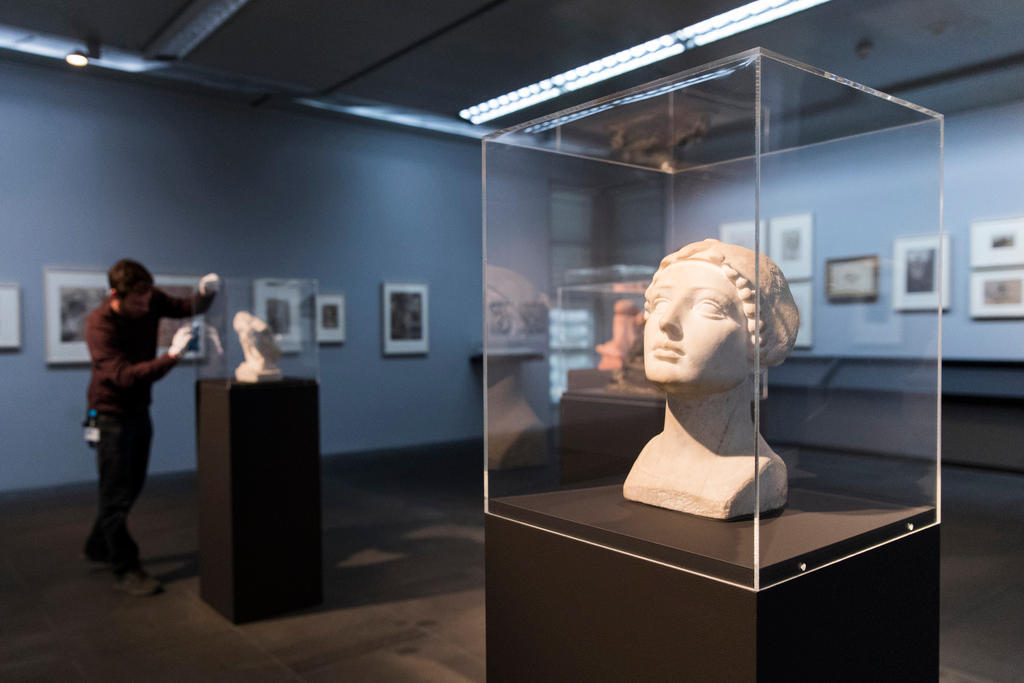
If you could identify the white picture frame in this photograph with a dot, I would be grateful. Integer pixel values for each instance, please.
(10, 316)
(279, 304)
(791, 245)
(920, 272)
(405, 318)
(181, 286)
(330, 318)
(69, 297)
(741, 233)
(803, 296)
(997, 293)
(997, 243)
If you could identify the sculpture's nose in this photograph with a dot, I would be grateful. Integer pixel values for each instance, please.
(671, 325)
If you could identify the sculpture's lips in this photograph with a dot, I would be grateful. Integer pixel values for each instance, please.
(667, 353)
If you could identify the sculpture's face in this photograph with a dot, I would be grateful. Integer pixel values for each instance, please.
(696, 340)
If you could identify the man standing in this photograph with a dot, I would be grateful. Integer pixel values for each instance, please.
(122, 337)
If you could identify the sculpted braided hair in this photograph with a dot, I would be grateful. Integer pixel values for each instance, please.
(780, 317)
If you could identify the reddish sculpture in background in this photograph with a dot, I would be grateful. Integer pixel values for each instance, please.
(626, 326)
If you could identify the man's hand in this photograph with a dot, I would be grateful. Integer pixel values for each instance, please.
(209, 284)
(182, 338)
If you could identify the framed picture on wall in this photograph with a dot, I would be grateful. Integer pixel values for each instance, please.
(405, 318)
(997, 293)
(997, 243)
(330, 318)
(803, 295)
(741, 233)
(279, 304)
(182, 287)
(10, 316)
(920, 273)
(851, 279)
(69, 297)
(791, 245)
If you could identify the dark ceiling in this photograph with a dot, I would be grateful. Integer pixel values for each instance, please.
(442, 56)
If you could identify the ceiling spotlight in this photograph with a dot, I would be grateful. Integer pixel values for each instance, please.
(77, 58)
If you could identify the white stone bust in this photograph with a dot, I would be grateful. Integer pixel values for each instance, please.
(259, 347)
(700, 342)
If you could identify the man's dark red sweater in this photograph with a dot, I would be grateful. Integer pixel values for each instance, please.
(123, 352)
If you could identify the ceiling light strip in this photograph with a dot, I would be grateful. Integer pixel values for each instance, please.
(708, 31)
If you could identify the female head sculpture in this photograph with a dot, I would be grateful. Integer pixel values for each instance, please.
(708, 327)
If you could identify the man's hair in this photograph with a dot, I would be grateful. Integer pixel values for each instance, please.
(129, 277)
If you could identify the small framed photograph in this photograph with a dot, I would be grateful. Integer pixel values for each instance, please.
(181, 287)
(69, 297)
(997, 293)
(851, 279)
(330, 318)
(997, 243)
(920, 273)
(405, 319)
(10, 316)
(278, 303)
(741, 233)
(792, 245)
(803, 296)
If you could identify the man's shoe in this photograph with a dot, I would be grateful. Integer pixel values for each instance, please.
(138, 583)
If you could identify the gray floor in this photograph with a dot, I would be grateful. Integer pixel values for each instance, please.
(403, 558)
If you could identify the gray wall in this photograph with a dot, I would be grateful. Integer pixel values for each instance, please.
(94, 170)
(863, 193)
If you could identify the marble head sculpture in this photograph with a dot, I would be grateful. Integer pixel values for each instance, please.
(259, 347)
(701, 338)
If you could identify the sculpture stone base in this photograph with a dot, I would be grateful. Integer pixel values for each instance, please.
(720, 487)
(249, 375)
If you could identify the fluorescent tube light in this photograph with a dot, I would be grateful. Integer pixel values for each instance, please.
(708, 31)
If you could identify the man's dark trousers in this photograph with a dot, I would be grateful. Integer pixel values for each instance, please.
(122, 457)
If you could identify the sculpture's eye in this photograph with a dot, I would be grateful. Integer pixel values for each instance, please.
(709, 308)
(660, 304)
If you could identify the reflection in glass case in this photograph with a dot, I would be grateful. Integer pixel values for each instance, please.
(666, 409)
(261, 330)
(596, 326)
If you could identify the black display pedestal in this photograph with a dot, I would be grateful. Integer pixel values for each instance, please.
(602, 432)
(259, 497)
(563, 609)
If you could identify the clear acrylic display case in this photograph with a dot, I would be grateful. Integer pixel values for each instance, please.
(839, 184)
(288, 308)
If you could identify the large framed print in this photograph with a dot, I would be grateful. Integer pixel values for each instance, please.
(997, 293)
(791, 245)
(803, 296)
(181, 287)
(69, 297)
(741, 233)
(405, 318)
(10, 316)
(996, 243)
(278, 303)
(920, 273)
(851, 279)
(330, 318)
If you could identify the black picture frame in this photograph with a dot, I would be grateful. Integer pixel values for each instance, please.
(852, 279)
